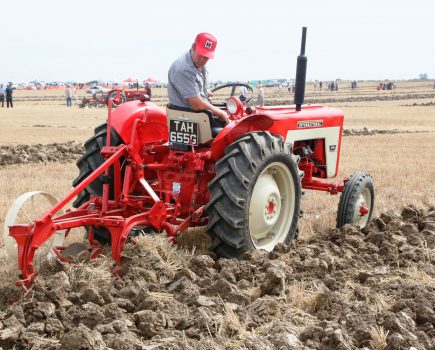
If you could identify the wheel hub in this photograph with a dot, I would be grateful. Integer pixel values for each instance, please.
(362, 208)
(265, 207)
(270, 208)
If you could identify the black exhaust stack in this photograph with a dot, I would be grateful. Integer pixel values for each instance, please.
(301, 73)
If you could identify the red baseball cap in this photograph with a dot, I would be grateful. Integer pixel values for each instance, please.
(205, 45)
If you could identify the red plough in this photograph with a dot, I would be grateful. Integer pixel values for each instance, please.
(151, 169)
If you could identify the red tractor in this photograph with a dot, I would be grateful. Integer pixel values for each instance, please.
(124, 96)
(151, 169)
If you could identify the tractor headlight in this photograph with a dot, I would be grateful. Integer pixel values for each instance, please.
(234, 106)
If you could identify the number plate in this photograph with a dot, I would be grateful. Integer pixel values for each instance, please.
(183, 131)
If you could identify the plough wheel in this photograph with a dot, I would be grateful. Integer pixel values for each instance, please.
(25, 210)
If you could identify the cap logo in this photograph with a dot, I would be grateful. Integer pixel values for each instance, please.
(208, 44)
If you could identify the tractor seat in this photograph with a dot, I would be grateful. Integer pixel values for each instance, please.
(215, 123)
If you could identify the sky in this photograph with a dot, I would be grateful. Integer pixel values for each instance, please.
(83, 40)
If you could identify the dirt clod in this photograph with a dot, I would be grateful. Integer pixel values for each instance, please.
(38, 153)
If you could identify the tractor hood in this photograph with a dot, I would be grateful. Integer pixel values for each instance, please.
(279, 120)
(308, 112)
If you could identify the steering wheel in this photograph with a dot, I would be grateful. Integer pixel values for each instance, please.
(233, 92)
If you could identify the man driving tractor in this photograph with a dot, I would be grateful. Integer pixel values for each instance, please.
(187, 77)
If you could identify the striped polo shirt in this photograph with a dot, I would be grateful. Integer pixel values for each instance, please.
(186, 81)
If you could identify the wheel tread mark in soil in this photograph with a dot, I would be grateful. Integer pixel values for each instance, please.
(353, 188)
(234, 175)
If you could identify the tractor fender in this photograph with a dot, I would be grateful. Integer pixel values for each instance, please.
(255, 122)
(156, 128)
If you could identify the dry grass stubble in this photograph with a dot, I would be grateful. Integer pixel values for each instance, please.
(388, 115)
(47, 123)
(402, 169)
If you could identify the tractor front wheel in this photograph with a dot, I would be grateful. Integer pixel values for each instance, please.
(356, 201)
(255, 196)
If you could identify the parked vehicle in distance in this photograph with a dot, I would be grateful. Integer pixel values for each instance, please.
(96, 88)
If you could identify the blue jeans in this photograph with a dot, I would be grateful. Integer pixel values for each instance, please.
(69, 101)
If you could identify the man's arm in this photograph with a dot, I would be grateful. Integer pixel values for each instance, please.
(188, 89)
(197, 104)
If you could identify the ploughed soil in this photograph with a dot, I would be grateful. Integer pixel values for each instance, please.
(348, 288)
(54, 152)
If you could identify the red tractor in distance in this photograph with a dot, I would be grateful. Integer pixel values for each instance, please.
(125, 95)
(151, 169)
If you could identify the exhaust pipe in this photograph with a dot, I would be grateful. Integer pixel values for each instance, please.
(301, 73)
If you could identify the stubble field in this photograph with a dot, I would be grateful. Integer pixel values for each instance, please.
(307, 303)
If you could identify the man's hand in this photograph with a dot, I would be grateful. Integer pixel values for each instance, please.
(222, 115)
(197, 104)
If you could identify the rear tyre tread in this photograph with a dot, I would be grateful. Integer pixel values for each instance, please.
(233, 181)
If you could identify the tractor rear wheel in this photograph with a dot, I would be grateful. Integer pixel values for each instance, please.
(113, 95)
(255, 196)
(87, 164)
(356, 201)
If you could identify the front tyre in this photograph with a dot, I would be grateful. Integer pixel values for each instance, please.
(357, 201)
(255, 196)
